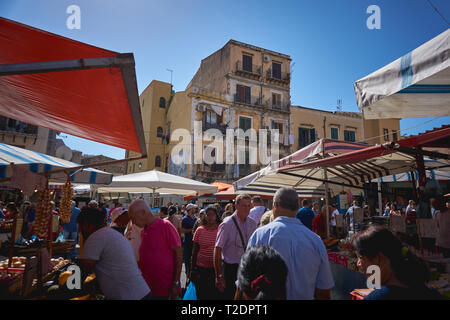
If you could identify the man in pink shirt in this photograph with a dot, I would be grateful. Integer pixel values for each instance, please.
(160, 254)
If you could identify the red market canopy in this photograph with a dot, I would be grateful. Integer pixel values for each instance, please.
(361, 166)
(58, 83)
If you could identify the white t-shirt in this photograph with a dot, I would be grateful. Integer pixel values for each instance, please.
(256, 213)
(116, 270)
(333, 215)
(134, 237)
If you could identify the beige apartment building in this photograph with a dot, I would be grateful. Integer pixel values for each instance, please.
(309, 125)
(240, 86)
(27, 136)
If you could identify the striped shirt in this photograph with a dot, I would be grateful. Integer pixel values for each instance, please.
(206, 240)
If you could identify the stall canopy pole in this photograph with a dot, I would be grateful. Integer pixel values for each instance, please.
(380, 197)
(325, 175)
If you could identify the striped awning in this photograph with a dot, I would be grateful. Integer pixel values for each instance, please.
(38, 163)
(266, 181)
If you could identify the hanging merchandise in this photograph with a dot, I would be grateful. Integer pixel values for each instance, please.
(66, 202)
(43, 213)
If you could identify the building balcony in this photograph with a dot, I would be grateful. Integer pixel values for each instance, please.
(251, 71)
(284, 107)
(278, 77)
(221, 127)
(248, 100)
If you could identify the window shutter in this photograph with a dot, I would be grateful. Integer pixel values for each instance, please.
(247, 95)
(312, 135)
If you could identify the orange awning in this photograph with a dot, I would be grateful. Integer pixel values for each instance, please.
(51, 81)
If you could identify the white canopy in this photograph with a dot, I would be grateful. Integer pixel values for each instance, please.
(415, 85)
(156, 181)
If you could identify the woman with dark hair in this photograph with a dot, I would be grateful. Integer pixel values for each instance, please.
(203, 274)
(403, 274)
(262, 275)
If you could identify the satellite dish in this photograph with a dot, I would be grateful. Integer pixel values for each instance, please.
(64, 152)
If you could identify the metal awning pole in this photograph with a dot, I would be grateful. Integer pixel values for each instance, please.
(380, 197)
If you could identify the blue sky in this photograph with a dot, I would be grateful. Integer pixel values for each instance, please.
(327, 40)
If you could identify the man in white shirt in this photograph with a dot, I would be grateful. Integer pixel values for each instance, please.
(333, 220)
(109, 254)
(258, 209)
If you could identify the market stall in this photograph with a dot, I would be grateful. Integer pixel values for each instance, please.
(64, 85)
(413, 86)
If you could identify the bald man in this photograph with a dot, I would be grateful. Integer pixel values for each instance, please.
(160, 254)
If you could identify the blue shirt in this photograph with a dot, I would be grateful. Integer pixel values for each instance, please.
(188, 223)
(306, 216)
(303, 252)
(350, 213)
(72, 225)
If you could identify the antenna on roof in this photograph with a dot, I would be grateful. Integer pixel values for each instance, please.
(339, 105)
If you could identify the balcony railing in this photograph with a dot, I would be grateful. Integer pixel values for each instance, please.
(219, 126)
(286, 107)
(250, 100)
(278, 76)
(250, 69)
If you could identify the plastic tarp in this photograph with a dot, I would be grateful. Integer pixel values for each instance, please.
(362, 166)
(415, 85)
(156, 181)
(97, 100)
(38, 163)
(267, 181)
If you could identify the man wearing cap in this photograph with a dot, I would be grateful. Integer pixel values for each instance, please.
(120, 221)
(187, 225)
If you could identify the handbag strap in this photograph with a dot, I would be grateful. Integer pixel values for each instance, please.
(240, 233)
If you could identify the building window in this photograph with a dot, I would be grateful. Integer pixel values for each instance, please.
(162, 102)
(140, 165)
(159, 132)
(245, 123)
(277, 125)
(394, 135)
(247, 63)
(276, 100)
(243, 94)
(306, 136)
(276, 70)
(386, 134)
(335, 133)
(349, 136)
(210, 117)
(157, 161)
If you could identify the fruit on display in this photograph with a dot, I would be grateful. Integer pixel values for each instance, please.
(16, 262)
(43, 214)
(66, 202)
(58, 263)
(63, 277)
(6, 226)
